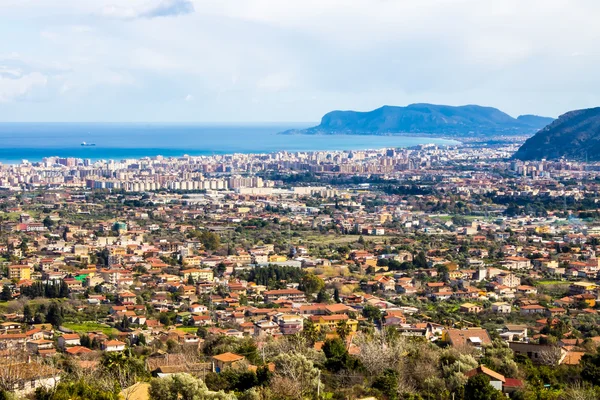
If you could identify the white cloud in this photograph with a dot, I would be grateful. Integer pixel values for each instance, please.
(12, 89)
(163, 8)
(296, 59)
(189, 98)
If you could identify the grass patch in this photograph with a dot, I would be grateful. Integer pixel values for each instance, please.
(188, 329)
(85, 327)
(552, 283)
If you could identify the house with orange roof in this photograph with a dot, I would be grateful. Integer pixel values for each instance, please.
(226, 360)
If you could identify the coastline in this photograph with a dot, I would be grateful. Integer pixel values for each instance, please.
(33, 142)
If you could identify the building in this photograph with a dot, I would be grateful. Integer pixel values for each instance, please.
(289, 324)
(470, 308)
(25, 378)
(331, 321)
(19, 272)
(113, 345)
(476, 337)
(290, 294)
(68, 339)
(496, 380)
(501, 308)
(199, 274)
(539, 353)
(226, 360)
(509, 280)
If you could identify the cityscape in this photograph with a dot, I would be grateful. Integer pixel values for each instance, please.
(299, 200)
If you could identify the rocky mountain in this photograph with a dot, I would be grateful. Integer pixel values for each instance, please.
(574, 135)
(426, 119)
(535, 120)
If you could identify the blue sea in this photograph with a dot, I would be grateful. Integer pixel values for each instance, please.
(34, 141)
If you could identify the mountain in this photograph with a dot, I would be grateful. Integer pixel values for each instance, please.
(574, 135)
(535, 120)
(432, 119)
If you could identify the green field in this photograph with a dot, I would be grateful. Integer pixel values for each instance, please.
(187, 329)
(552, 283)
(85, 327)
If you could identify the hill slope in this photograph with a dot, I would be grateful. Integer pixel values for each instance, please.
(459, 121)
(574, 135)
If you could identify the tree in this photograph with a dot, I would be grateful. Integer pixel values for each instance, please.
(54, 315)
(221, 268)
(48, 222)
(478, 388)
(387, 383)
(310, 332)
(6, 294)
(420, 261)
(336, 295)
(27, 314)
(323, 296)
(590, 367)
(312, 283)
(372, 313)
(337, 356)
(295, 376)
(343, 330)
(183, 387)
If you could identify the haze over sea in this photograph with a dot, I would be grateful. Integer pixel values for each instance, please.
(34, 141)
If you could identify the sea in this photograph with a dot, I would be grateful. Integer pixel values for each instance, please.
(117, 141)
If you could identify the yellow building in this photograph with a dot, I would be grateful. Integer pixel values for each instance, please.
(19, 272)
(192, 260)
(199, 274)
(277, 258)
(330, 322)
(543, 229)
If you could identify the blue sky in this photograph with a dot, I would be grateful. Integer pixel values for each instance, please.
(291, 60)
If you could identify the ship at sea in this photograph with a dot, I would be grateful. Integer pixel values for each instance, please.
(85, 144)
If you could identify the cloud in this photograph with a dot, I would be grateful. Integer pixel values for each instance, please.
(20, 87)
(189, 97)
(169, 8)
(165, 8)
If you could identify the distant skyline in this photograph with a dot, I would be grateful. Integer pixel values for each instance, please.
(235, 61)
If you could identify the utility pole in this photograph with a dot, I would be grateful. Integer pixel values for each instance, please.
(319, 385)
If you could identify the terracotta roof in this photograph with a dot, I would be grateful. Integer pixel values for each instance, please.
(513, 383)
(78, 350)
(482, 369)
(228, 357)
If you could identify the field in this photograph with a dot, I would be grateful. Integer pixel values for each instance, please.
(187, 329)
(85, 327)
(343, 239)
(551, 282)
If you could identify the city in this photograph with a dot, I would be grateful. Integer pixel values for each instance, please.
(215, 265)
(299, 200)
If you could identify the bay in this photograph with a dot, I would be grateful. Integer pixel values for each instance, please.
(34, 141)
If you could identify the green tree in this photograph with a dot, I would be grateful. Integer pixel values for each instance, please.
(54, 315)
(6, 294)
(387, 383)
(27, 314)
(183, 387)
(478, 388)
(343, 330)
(312, 283)
(310, 332)
(372, 313)
(323, 296)
(337, 356)
(590, 367)
(420, 260)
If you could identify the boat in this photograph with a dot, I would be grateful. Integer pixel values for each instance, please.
(85, 144)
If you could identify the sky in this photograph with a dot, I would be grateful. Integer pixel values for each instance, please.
(291, 60)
